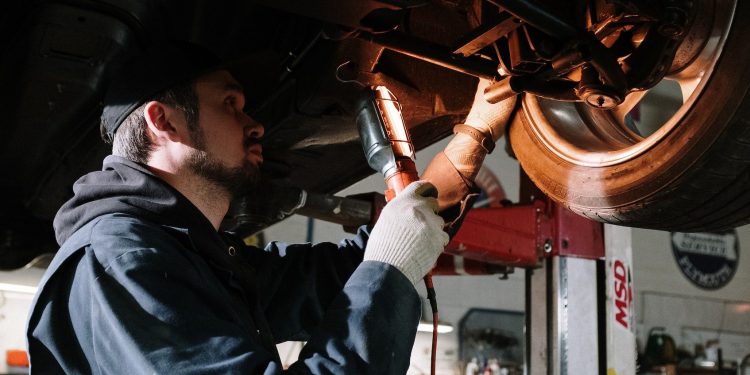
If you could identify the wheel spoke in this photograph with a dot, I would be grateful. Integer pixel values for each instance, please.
(687, 86)
(628, 104)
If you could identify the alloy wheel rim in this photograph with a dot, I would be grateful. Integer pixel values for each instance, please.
(589, 137)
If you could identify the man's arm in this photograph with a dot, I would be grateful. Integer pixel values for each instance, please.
(369, 328)
(298, 282)
(453, 170)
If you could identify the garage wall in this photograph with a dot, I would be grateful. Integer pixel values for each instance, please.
(692, 316)
(14, 308)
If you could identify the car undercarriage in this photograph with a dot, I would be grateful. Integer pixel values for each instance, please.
(580, 67)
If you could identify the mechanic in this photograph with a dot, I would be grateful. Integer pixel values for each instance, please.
(145, 282)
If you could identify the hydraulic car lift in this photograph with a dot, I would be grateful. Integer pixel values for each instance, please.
(579, 313)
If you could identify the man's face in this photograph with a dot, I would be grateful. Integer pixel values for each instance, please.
(227, 149)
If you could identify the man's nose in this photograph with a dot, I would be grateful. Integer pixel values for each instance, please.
(253, 129)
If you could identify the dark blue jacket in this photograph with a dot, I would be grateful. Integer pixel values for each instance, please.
(143, 284)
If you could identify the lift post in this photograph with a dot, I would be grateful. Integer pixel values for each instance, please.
(579, 314)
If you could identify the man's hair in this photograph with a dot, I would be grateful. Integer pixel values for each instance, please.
(131, 140)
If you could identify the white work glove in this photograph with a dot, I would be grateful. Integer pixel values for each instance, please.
(487, 117)
(409, 234)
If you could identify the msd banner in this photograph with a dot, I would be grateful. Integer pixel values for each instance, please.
(623, 294)
(620, 312)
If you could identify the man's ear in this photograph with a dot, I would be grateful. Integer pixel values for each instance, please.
(163, 121)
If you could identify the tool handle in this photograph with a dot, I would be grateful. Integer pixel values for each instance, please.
(406, 174)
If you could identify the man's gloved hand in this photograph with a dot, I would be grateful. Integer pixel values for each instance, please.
(487, 117)
(474, 139)
(409, 234)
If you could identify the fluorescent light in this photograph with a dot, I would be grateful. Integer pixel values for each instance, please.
(22, 289)
(427, 327)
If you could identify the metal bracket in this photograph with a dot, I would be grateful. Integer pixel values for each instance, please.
(521, 235)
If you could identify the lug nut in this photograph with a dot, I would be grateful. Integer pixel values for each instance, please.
(601, 101)
(600, 97)
(674, 23)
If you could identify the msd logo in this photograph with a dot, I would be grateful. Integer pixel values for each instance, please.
(623, 293)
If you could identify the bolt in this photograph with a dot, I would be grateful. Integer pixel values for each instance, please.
(673, 25)
(564, 244)
(600, 96)
(671, 30)
(600, 100)
(548, 246)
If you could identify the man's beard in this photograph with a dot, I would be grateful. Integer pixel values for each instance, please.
(235, 180)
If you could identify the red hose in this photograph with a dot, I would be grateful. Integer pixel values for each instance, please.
(432, 297)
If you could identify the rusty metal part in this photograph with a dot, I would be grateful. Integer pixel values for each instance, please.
(499, 91)
(570, 59)
(609, 29)
(269, 205)
(433, 53)
(652, 60)
(596, 94)
(263, 207)
(560, 90)
(606, 66)
(339, 210)
(486, 34)
(523, 59)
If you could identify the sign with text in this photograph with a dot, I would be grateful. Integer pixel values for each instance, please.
(708, 260)
(620, 309)
(623, 294)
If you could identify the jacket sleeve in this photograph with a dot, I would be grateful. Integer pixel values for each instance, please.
(153, 313)
(357, 317)
(369, 328)
(298, 282)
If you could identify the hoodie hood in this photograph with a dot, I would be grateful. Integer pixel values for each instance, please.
(123, 186)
